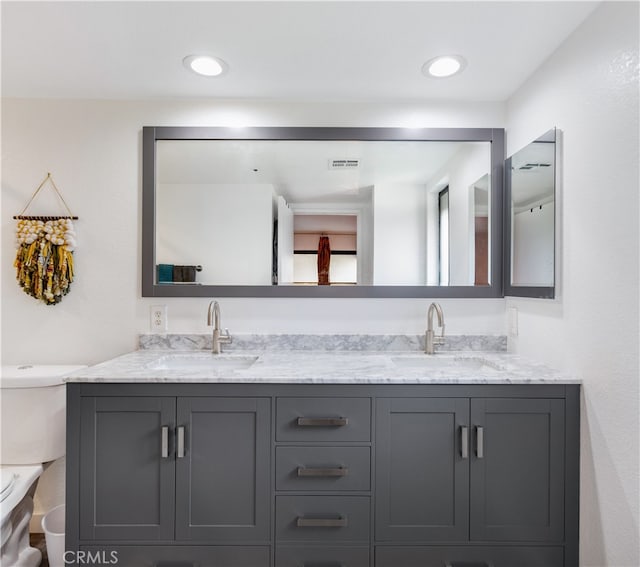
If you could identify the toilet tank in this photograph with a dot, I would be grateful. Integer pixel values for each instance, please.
(33, 413)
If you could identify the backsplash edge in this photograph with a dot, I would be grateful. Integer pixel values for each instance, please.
(309, 342)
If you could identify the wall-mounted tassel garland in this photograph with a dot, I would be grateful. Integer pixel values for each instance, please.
(44, 260)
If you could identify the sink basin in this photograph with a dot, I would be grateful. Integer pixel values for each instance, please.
(444, 363)
(203, 361)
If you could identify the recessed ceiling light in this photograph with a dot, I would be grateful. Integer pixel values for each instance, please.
(205, 65)
(444, 66)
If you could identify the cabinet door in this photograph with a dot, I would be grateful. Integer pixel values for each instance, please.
(322, 556)
(126, 487)
(175, 556)
(422, 469)
(470, 556)
(517, 470)
(223, 477)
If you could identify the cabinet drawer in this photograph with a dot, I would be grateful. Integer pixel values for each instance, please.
(470, 556)
(323, 419)
(172, 556)
(322, 518)
(323, 468)
(322, 556)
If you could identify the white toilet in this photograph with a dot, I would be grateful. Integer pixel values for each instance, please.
(33, 414)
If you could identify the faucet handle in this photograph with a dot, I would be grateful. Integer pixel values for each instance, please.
(227, 336)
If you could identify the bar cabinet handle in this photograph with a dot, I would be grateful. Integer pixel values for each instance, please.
(464, 441)
(180, 448)
(332, 472)
(322, 421)
(480, 442)
(164, 444)
(340, 522)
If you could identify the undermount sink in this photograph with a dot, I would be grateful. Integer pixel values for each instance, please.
(203, 361)
(435, 362)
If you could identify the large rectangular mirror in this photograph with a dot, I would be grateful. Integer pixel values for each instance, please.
(530, 224)
(322, 212)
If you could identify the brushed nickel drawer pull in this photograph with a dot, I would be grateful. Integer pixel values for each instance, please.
(180, 450)
(464, 441)
(480, 442)
(331, 472)
(340, 522)
(164, 445)
(322, 421)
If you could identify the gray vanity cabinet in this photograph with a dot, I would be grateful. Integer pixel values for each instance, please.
(517, 470)
(222, 481)
(175, 469)
(126, 489)
(323, 480)
(324, 475)
(470, 471)
(422, 474)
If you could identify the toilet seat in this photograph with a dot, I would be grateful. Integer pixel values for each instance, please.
(7, 481)
(16, 481)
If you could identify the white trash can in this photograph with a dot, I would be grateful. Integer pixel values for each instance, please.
(53, 526)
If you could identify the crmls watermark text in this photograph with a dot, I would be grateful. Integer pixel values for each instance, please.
(90, 558)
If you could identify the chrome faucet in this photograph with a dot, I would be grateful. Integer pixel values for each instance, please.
(431, 339)
(213, 319)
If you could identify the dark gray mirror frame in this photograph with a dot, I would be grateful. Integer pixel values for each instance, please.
(539, 292)
(151, 134)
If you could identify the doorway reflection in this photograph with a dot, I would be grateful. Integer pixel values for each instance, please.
(310, 232)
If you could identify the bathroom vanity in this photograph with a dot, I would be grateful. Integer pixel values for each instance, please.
(323, 459)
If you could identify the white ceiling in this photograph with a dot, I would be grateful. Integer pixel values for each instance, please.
(299, 170)
(278, 50)
(533, 175)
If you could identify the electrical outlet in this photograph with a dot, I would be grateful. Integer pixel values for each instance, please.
(159, 318)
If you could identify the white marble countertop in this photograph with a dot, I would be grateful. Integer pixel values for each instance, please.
(317, 367)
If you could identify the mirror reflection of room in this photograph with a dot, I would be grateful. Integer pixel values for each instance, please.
(254, 212)
(533, 213)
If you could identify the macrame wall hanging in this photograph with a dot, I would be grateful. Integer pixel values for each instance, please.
(44, 260)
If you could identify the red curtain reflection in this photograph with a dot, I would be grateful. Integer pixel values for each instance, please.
(324, 258)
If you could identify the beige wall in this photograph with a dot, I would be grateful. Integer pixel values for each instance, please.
(93, 149)
(589, 90)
